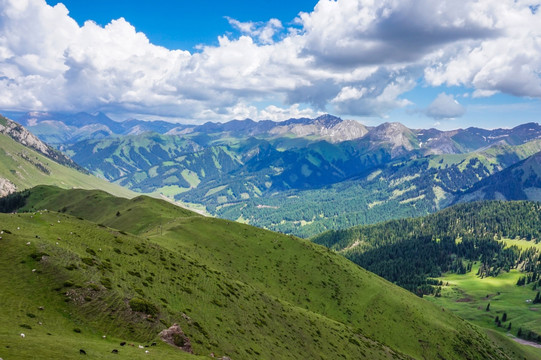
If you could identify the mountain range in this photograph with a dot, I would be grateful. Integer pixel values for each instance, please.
(300, 176)
(26, 161)
(127, 268)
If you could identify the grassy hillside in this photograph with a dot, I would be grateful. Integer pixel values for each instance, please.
(234, 290)
(26, 168)
(467, 256)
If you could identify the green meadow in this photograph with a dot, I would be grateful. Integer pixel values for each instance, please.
(468, 296)
(93, 265)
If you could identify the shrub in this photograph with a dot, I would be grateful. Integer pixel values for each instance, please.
(88, 261)
(106, 282)
(71, 267)
(38, 255)
(144, 306)
(178, 340)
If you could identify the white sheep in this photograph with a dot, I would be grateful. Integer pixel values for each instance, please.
(141, 347)
(23, 335)
(28, 243)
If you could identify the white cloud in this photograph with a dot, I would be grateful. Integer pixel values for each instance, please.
(445, 107)
(509, 63)
(349, 93)
(480, 93)
(352, 57)
(263, 32)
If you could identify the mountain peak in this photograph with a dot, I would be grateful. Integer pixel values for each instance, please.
(327, 120)
(398, 136)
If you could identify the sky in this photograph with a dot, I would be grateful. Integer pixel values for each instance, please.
(425, 63)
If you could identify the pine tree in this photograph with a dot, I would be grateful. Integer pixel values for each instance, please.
(504, 317)
(509, 327)
(537, 298)
(496, 319)
(488, 307)
(519, 332)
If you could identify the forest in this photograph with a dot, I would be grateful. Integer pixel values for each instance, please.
(410, 252)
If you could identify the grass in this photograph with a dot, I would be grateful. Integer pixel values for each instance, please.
(521, 244)
(235, 290)
(25, 174)
(468, 295)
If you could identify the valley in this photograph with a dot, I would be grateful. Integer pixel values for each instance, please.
(298, 176)
(258, 181)
(240, 180)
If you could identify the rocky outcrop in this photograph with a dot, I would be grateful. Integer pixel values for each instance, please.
(18, 133)
(395, 135)
(327, 127)
(6, 187)
(176, 337)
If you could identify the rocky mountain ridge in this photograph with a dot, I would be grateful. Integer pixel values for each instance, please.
(58, 129)
(18, 133)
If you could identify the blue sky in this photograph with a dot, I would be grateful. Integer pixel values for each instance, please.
(459, 64)
(183, 24)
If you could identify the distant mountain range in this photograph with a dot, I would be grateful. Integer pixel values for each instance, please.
(299, 176)
(26, 161)
(61, 128)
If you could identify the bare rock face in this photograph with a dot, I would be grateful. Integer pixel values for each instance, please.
(18, 133)
(6, 187)
(326, 127)
(395, 135)
(176, 337)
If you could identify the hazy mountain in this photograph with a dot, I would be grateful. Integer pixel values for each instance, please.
(296, 176)
(240, 171)
(61, 128)
(25, 161)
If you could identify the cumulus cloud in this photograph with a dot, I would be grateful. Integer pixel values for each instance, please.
(360, 32)
(264, 32)
(349, 57)
(445, 107)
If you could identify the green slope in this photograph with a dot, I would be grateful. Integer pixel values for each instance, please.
(234, 289)
(467, 256)
(26, 168)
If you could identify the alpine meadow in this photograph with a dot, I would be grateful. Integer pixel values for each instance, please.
(317, 179)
